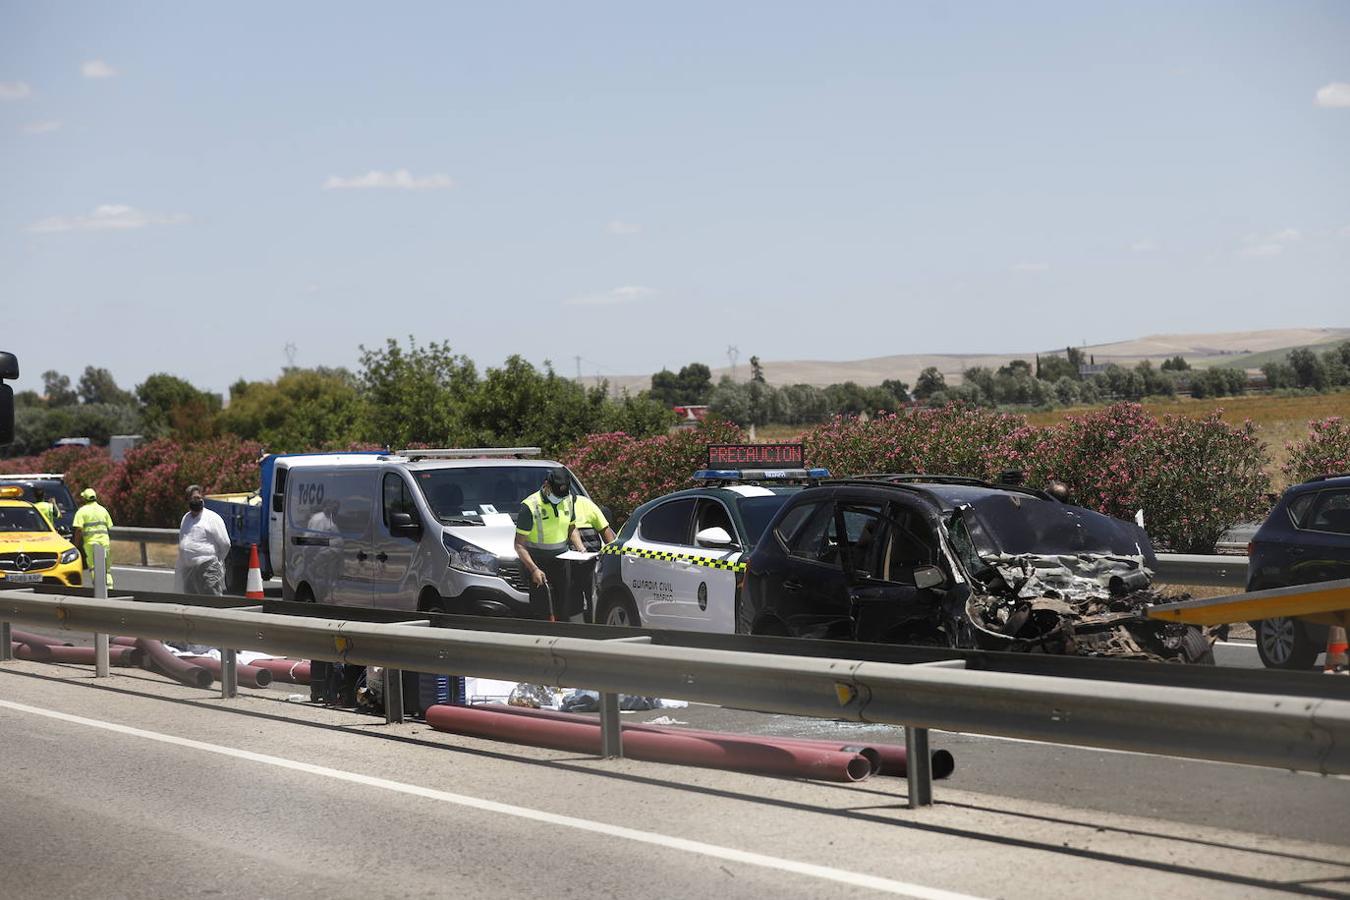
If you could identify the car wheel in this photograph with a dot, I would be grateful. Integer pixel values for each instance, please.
(1282, 643)
(431, 601)
(304, 594)
(619, 610)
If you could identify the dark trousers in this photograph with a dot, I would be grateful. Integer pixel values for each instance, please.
(566, 600)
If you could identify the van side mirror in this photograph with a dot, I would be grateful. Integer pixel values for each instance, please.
(9, 366)
(404, 525)
(926, 577)
(715, 538)
(6, 414)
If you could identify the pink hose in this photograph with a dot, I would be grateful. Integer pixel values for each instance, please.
(718, 753)
(289, 671)
(57, 653)
(249, 676)
(177, 669)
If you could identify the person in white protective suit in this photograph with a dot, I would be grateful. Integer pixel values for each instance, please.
(203, 544)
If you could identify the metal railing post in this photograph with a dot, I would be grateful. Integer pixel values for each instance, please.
(229, 674)
(393, 696)
(611, 721)
(145, 555)
(6, 654)
(101, 667)
(918, 767)
(611, 727)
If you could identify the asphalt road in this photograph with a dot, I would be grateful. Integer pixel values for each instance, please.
(137, 787)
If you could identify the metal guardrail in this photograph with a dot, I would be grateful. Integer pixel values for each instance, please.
(1212, 571)
(144, 536)
(1279, 731)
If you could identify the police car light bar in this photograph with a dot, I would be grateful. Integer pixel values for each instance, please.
(760, 474)
(470, 452)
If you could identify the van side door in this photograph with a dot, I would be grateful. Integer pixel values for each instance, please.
(394, 581)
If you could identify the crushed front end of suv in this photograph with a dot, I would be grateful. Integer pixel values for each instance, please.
(955, 561)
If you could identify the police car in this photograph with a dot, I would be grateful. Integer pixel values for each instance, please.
(679, 562)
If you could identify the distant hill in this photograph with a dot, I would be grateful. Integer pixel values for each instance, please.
(1235, 348)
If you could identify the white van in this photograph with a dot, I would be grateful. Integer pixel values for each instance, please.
(424, 530)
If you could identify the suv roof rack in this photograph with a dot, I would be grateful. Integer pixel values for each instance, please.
(470, 452)
(903, 477)
(50, 476)
(1317, 478)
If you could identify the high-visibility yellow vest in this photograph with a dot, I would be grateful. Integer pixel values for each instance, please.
(94, 523)
(551, 523)
(48, 510)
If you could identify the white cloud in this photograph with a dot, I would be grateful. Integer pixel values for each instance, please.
(109, 217)
(1270, 244)
(1031, 267)
(40, 127)
(14, 90)
(1334, 96)
(97, 68)
(1145, 246)
(621, 228)
(400, 179)
(628, 293)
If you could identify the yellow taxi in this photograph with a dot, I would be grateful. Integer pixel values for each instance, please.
(31, 550)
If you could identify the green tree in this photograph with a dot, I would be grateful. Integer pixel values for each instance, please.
(1176, 364)
(897, 389)
(731, 401)
(930, 380)
(415, 395)
(1054, 367)
(1308, 369)
(99, 386)
(56, 388)
(695, 382)
(756, 370)
(169, 403)
(1279, 375)
(304, 409)
(666, 388)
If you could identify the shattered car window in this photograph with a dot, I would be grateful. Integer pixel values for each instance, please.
(1020, 524)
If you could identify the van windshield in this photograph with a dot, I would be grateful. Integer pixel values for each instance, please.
(464, 495)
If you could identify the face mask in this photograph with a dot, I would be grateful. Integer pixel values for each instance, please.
(555, 499)
(195, 505)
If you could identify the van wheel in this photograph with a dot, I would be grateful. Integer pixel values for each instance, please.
(304, 593)
(619, 610)
(431, 601)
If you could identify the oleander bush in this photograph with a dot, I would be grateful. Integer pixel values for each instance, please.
(1325, 451)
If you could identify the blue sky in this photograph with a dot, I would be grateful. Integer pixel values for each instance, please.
(188, 188)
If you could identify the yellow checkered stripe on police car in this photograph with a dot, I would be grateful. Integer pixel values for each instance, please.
(667, 556)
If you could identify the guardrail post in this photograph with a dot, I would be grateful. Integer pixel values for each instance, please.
(393, 696)
(918, 767)
(229, 674)
(611, 727)
(101, 667)
(145, 555)
(6, 654)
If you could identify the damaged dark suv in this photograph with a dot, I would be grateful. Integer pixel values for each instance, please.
(958, 562)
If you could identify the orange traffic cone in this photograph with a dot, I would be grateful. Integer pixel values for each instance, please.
(253, 588)
(1338, 654)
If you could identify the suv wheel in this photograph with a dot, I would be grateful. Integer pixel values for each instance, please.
(1282, 643)
(619, 610)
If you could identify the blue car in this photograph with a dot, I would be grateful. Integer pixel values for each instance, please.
(1305, 539)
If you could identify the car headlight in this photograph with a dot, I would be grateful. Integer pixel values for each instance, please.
(468, 557)
(70, 555)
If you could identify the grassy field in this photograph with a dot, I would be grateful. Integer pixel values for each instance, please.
(1279, 420)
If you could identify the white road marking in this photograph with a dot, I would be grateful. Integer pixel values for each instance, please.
(842, 876)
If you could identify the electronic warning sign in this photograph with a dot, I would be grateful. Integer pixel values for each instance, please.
(740, 456)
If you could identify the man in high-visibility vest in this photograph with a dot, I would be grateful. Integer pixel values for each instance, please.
(544, 526)
(592, 533)
(45, 506)
(92, 525)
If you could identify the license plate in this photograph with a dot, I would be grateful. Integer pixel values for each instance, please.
(23, 577)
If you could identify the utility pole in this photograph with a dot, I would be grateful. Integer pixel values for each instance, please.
(578, 359)
(733, 354)
(290, 350)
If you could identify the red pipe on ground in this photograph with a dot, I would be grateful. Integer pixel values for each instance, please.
(720, 753)
(177, 669)
(249, 676)
(27, 637)
(289, 671)
(57, 653)
(886, 759)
